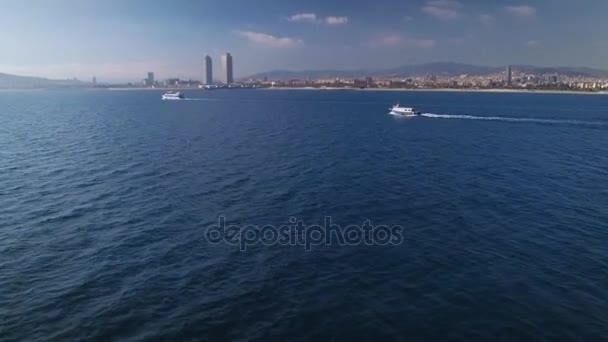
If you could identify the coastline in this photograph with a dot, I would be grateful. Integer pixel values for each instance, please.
(518, 91)
(144, 88)
(447, 90)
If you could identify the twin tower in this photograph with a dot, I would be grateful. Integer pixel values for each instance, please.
(226, 75)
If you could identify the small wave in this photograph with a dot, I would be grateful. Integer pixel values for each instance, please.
(512, 119)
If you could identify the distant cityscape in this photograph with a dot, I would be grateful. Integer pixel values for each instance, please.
(508, 78)
(425, 76)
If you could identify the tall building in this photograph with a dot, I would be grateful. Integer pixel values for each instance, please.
(208, 71)
(227, 75)
(150, 79)
(553, 79)
(508, 75)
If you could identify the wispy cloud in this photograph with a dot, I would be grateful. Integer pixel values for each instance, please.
(389, 40)
(443, 9)
(420, 43)
(336, 20)
(408, 18)
(521, 11)
(395, 40)
(487, 19)
(269, 40)
(312, 18)
(532, 43)
(303, 18)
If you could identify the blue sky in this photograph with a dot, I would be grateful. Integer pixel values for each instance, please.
(123, 39)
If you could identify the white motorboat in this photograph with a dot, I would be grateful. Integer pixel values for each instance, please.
(173, 95)
(403, 111)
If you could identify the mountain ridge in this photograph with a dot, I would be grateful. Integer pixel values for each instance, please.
(10, 81)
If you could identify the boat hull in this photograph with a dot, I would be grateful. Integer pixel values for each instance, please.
(411, 115)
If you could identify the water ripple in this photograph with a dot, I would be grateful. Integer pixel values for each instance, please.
(105, 197)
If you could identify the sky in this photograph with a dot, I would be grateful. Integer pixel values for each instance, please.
(121, 40)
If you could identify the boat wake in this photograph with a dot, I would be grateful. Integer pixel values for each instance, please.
(512, 119)
(198, 99)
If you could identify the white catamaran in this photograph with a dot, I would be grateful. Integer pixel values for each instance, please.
(403, 111)
(173, 95)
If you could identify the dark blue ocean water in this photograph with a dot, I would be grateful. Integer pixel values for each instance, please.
(105, 197)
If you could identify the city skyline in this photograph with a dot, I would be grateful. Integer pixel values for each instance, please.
(429, 76)
(40, 37)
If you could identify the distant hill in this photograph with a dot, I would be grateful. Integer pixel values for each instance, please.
(440, 68)
(8, 81)
(448, 69)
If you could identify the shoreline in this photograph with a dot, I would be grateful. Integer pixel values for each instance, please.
(448, 90)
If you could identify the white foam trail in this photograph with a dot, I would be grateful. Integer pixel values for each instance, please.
(197, 99)
(511, 119)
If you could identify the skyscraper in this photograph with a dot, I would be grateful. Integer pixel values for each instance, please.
(150, 80)
(227, 76)
(208, 71)
(508, 75)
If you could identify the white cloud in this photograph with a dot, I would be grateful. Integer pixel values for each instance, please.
(521, 11)
(312, 18)
(487, 19)
(303, 18)
(394, 40)
(269, 40)
(336, 20)
(443, 9)
(532, 43)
